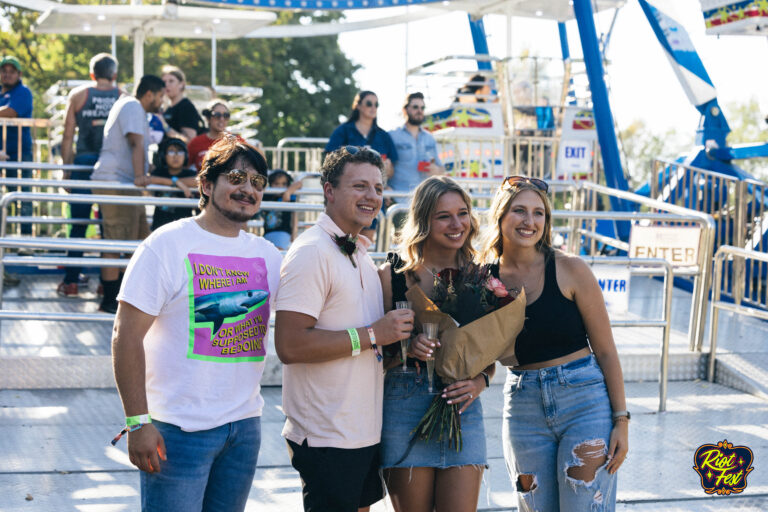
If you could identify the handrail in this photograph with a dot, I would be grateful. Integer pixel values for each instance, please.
(706, 248)
(124, 200)
(716, 305)
(665, 269)
(637, 267)
(301, 140)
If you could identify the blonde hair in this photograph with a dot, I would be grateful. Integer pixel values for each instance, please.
(175, 71)
(418, 224)
(494, 240)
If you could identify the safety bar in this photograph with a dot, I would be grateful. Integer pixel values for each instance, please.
(723, 252)
(645, 266)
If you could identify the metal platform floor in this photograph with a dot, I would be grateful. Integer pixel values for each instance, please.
(56, 454)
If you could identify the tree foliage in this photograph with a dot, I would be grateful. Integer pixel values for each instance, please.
(747, 124)
(641, 146)
(307, 82)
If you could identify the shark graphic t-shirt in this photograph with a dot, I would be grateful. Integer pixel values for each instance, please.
(212, 296)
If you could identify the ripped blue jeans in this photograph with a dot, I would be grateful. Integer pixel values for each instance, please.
(556, 432)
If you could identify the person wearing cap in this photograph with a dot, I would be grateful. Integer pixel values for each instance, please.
(190, 341)
(16, 102)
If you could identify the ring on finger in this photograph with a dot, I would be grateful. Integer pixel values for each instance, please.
(470, 395)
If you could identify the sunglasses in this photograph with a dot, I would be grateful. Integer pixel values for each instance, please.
(513, 181)
(369, 103)
(219, 115)
(175, 153)
(417, 107)
(238, 177)
(353, 150)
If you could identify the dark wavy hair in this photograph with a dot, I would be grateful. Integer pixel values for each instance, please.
(222, 157)
(333, 165)
(355, 115)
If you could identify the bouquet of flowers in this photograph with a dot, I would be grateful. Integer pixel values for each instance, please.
(479, 320)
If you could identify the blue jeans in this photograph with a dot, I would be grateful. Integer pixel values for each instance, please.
(79, 211)
(556, 429)
(209, 470)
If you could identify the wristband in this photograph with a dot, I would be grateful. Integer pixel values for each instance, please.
(355, 339)
(141, 419)
(132, 424)
(487, 379)
(174, 179)
(372, 336)
(621, 414)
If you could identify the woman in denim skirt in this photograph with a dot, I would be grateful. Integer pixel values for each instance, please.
(430, 476)
(565, 423)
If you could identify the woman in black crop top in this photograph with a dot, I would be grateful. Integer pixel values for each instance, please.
(565, 418)
(426, 476)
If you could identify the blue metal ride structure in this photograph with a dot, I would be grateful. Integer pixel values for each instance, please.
(712, 151)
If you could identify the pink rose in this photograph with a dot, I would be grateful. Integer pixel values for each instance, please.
(497, 287)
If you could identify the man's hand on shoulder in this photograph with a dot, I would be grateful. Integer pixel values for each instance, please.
(394, 326)
(145, 448)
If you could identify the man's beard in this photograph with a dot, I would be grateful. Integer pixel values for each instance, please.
(415, 122)
(234, 216)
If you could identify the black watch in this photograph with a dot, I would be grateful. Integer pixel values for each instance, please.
(622, 414)
(487, 379)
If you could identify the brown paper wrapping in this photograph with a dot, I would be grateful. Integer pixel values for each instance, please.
(466, 351)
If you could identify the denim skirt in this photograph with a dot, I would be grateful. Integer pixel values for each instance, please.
(406, 400)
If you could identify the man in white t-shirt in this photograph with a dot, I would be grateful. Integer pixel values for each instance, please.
(330, 319)
(190, 339)
(123, 158)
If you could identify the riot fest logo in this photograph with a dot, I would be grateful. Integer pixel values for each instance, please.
(723, 468)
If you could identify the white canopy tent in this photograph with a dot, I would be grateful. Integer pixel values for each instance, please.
(141, 21)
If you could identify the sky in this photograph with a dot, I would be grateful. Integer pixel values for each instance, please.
(642, 83)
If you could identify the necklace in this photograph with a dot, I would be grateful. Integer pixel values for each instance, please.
(449, 273)
(528, 287)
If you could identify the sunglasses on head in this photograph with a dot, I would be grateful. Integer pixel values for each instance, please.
(369, 103)
(219, 115)
(238, 177)
(513, 181)
(353, 150)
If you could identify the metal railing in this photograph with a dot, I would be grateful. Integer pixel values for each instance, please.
(649, 267)
(308, 156)
(574, 224)
(38, 142)
(729, 252)
(739, 207)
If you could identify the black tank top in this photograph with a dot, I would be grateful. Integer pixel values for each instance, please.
(92, 118)
(553, 325)
(399, 287)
